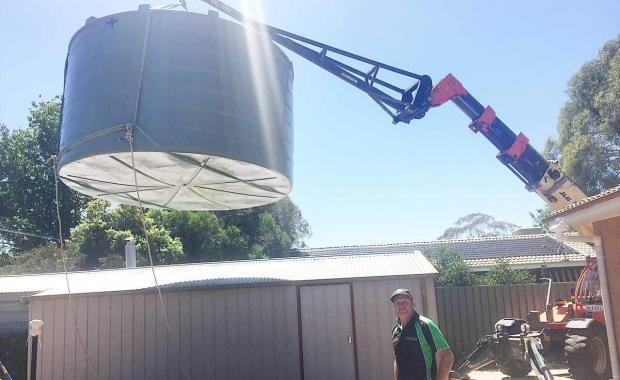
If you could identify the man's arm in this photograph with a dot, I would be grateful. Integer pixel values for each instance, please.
(444, 359)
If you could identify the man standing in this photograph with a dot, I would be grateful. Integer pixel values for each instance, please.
(420, 350)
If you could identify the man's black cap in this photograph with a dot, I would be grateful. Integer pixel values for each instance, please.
(401, 292)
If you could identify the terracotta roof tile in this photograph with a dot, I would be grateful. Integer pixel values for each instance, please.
(519, 249)
(585, 201)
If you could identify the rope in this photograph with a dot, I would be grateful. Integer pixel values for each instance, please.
(10, 231)
(66, 270)
(129, 137)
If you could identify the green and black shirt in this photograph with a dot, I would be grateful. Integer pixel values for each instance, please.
(415, 345)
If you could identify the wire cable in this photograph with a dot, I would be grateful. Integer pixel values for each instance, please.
(65, 258)
(11, 231)
(129, 138)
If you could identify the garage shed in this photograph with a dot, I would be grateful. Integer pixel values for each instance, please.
(293, 318)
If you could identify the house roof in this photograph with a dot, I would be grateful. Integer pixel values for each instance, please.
(478, 252)
(232, 273)
(586, 202)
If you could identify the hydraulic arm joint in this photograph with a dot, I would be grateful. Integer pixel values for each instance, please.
(514, 151)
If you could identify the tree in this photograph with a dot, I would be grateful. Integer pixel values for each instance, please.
(260, 232)
(502, 274)
(101, 237)
(453, 271)
(588, 143)
(27, 191)
(477, 225)
(43, 259)
(285, 228)
(185, 236)
(27, 204)
(538, 218)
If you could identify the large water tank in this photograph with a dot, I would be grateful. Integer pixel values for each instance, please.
(207, 102)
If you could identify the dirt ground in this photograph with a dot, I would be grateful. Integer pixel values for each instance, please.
(494, 374)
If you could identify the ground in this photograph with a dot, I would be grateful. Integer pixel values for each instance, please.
(495, 374)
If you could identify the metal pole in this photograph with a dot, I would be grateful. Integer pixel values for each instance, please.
(35, 329)
(34, 344)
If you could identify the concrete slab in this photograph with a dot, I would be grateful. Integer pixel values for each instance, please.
(494, 374)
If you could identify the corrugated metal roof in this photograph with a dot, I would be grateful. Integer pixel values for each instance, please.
(517, 248)
(233, 273)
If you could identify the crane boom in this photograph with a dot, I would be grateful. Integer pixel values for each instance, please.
(541, 176)
(404, 104)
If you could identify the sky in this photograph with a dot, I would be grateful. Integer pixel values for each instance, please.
(358, 179)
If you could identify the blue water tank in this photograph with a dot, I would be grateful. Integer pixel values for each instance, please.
(207, 104)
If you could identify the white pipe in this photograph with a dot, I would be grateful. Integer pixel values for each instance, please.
(548, 291)
(130, 254)
(602, 274)
(609, 324)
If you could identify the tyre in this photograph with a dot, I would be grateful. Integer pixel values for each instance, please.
(587, 353)
(514, 367)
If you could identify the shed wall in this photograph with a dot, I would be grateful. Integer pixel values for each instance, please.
(214, 334)
(374, 319)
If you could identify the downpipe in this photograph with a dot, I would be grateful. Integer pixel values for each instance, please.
(609, 323)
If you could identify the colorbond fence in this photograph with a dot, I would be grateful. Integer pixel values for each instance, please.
(468, 312)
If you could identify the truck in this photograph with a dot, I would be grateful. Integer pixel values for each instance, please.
(572, 330)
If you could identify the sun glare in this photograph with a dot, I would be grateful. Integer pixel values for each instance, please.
(265, 84)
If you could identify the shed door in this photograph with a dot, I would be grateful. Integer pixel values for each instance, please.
(327, 332)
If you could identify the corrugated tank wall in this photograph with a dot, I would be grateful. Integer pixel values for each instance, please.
(214, 334)
(375, 317)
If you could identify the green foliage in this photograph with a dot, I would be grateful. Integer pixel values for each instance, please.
(43, 259)
(185, 236)
(260, 232)
(588, 143)
(101, 235)
(203, 236)
(95, 232)
(477, 225)
(27, 193)
(501, 274)
(539, 216)
(275, 227)
(174, 237)
(453, 271)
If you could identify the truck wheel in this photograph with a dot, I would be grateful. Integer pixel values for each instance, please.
(587, 354)
(514, 367)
